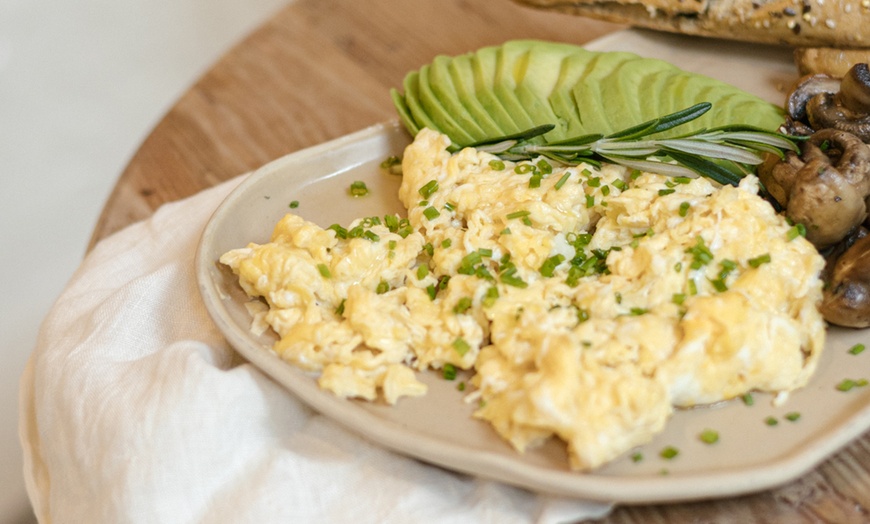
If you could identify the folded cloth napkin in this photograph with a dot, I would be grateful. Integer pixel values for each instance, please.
(135, 409)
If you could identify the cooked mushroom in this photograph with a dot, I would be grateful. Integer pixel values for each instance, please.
(846, 300)
(807, 88)
(826, 188)
(848, 109)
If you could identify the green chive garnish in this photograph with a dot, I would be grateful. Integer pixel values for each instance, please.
(358, 189)
(428, 188)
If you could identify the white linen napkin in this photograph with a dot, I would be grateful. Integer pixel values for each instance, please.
(135, 409)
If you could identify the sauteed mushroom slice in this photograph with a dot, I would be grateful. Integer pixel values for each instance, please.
(807, 88)
(826, 188)
(846, 300)
(848, 109)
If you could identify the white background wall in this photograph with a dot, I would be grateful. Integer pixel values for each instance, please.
(82, 82)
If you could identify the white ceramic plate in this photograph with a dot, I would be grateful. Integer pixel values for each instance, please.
(438, 427)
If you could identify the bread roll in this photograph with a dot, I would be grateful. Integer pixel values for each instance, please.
(804, 23)
(831, 61)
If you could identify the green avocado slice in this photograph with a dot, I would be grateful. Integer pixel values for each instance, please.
(561, 99)
(441, 85)
(539, 74)
(589, 94)
(443, 119)
(492, 116)
(404, 112)
(623, 95)
(509, 58)
(483, 64)
(412, 100)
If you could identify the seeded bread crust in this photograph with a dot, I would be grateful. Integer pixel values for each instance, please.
(801, 23)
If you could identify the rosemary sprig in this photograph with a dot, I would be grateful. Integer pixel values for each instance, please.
(724, 154)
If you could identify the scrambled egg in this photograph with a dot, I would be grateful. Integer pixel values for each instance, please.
(588, 303)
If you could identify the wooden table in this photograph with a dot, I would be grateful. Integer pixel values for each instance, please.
(320, 69)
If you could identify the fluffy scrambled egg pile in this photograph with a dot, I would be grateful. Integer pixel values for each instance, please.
(588, 302)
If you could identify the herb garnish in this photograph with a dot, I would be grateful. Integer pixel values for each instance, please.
(723, 154)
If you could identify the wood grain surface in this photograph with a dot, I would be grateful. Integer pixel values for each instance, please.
(320, 69)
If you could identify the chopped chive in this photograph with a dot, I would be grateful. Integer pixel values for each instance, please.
(856, 349)
(422, 272)
(636, 456)
(709, 436)
(428, 189)
(748, 399)
(340, 232)
(518, 214)
(523, 169)
(849, 384)
(460, 386)
(324, 270)
(431, 213)
(719, 285)
(684, 209)
(462, 306)
(792, 416)
(446, 243)
(449, 371)
(496, 165)
(449, 206)
(294, 204)
(798, 230)
(431, 291)
(428, 249)
(605, 190)
(490, 297)
(382, 288)
(358, 189)
(545, 167)
(637, 311)
(665, 192)
(759, 260)
(678, 298)
(371, 235)
(669, 452)
(549, 266)
(594, 182)
(461, 346)
(590, 201)
(619, 184)
(562, 180)
(527, 221)
(771, 421)
(535, 180)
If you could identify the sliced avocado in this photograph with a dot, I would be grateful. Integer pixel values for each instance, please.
(404, 113)
(504, 90)
(626, 101)
(594, 114)
(441, 85)
(442, 118)
(538, 77)
(462, 73)
(508, 60)
(655, 99)
(483, 64)
(562, 100)
(412, 100)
